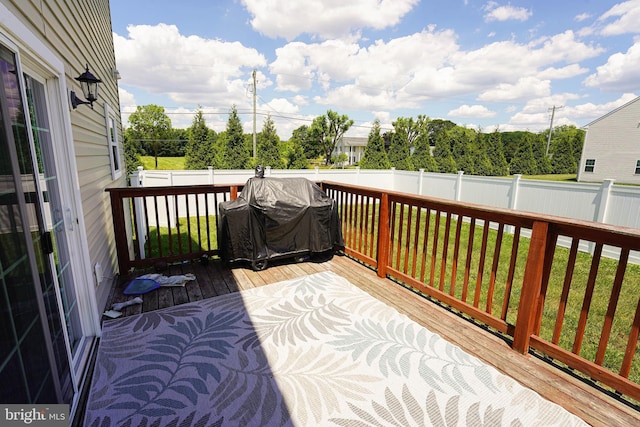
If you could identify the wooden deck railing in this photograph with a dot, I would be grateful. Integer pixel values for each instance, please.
(540, 281)
(166, 224)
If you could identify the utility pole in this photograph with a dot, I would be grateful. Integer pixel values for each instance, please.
(553, 113)
(254, 112)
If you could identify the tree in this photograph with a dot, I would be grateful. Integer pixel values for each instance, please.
(200, 151)
(436, 128)
(236, 155)
(493, 146)
(326, 131)
(268, 141)
(131, 154)
(523, 161)
(463, 149)
(421, 157)
(442, 155)
(562, 151)
(150, 126)
(295, 156)
(375, 156)
(539, 147)
(399, 153)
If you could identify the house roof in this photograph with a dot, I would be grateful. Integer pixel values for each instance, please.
(614, 111)
(354, 141)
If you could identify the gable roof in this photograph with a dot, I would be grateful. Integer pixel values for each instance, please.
(614, 111)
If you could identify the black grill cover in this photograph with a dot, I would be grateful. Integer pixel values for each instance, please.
(276, 217)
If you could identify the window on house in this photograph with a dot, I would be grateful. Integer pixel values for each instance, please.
(590, 165)
(112, 139)
(637, 167)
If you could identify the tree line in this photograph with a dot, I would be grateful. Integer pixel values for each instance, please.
(434, 145)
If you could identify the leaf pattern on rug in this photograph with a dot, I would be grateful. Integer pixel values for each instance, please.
(316, 383)
(299, 320)
(252, 381)
(175, 368)
(308, 351)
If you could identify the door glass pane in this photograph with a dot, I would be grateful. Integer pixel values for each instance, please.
(28, 350)
(53, 208)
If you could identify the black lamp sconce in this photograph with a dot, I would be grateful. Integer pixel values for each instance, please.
(89, 85)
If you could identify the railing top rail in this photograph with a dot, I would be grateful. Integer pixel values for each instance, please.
(598, 232)
(172, 190)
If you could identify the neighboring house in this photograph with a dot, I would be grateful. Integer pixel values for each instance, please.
(612, 147)
(57, 256)
(353, 147)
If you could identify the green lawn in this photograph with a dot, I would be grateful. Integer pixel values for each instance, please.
(164, 163)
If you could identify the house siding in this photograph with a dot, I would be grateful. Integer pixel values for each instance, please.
(613, 141)
(79, 33)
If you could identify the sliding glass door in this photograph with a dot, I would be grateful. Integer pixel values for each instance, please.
(39, 320)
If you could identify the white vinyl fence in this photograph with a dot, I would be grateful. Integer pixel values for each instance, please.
(606, 203)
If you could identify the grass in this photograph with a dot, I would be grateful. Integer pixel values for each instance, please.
(196, 234)
(164, 163)
(568, 177)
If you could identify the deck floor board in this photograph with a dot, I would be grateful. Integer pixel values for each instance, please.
(578, 397)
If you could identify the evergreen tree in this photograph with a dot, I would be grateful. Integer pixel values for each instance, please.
(131, 154)
(442, 155)
(236, 155)
(493, 147)
(562, 160)
(461, 149)
(399, 156)
(268, 146)
(200, 151)
(375, 156)
(295, 156)
(421, 157)
(539, 147)
(523, 161)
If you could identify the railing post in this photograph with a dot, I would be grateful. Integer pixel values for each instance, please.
(383, 235)
(117, 214)
(531, 286)
(234, 192)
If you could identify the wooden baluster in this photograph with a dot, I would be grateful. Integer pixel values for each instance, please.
(532, 283)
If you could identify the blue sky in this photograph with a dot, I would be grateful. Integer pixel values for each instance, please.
(482, 64)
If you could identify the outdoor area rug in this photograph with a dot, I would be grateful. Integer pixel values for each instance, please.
(315, 350)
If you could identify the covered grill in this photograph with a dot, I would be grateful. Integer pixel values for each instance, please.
(278, 217)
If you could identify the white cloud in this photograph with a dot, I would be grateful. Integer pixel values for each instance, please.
(562, 73)
(591, 111)
(582, 17)
(472, 111)
(523, 89)
(326, 19)
(128, 104)
(628, 17)
(620, 73)
(505, 13)
(201, 69)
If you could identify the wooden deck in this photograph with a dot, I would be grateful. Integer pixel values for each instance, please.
(578, 397)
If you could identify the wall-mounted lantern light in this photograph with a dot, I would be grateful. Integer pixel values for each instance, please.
(89, 85)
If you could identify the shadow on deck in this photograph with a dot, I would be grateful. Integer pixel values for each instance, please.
(213, 279)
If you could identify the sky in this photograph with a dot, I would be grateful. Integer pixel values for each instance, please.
(481, 64)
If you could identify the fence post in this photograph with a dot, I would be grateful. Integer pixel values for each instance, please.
(420, 179)
(210, 169)
(603, 203)
(458, 195)
(383, 235)
(531, 286)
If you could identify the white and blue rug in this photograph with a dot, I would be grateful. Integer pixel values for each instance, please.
(313, 351)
